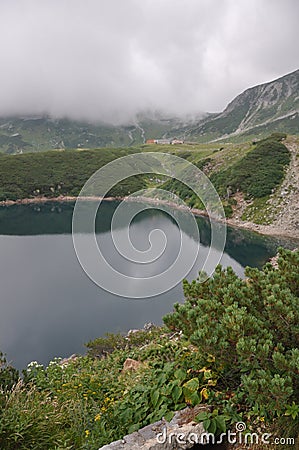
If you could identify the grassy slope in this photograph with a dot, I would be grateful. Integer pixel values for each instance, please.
(55, 173)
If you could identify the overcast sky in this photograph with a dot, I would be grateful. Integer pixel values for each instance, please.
(108, 59)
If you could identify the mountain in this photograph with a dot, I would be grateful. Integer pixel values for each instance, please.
(257, 112)
(265, 108)
(40, 133)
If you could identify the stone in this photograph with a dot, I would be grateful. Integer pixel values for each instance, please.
(131, 364)
(181, 433)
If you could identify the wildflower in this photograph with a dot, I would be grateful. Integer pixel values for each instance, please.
(87, 433)
(97, 417)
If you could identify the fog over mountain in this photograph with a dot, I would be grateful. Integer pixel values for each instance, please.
(110, 59)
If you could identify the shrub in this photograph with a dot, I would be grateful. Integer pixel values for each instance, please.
(8, 374)
(260, 171)
(251, 329)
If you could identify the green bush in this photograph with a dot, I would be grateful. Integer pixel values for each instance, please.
(251, 329)
(55, 173)
(8, 374)
(258, 172)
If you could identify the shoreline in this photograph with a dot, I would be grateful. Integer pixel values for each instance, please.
(268, 230)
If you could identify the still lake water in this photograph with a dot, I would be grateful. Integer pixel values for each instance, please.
(48, 305)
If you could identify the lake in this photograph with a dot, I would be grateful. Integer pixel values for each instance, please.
(49, 307)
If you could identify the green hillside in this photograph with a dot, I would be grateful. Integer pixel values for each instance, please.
(36, 134)
(249, 173)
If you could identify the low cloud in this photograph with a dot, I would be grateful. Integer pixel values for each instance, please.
(107, 60)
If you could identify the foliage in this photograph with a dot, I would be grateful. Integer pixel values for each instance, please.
(8, 374)
(32, 419)
(258, 172)
(213, 422)
(231, 346)
(56, 173)
(91, 401)
(251, 327)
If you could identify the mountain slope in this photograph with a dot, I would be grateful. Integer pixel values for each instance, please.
(257, 112)
(40, 133)
(272, 106)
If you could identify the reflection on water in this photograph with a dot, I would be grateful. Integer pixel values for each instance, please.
(49, 307)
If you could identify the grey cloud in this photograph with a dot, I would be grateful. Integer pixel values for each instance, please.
(109, 59)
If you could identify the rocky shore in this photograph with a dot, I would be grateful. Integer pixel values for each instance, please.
(270, 230)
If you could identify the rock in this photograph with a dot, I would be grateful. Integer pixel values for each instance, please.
(131, 364)
(132, 331)
(149, 326)
(163, 435)
(67, 360)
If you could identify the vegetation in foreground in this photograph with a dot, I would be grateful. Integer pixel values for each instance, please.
(233, 345)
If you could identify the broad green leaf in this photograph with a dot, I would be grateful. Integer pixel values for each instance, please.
(191, 385)
(195, 399)
(176, 393)
(206, 424)
(213, 426)
(155, 397)
(179, 406)
(180, 374)
(201, 416)
(221, 425)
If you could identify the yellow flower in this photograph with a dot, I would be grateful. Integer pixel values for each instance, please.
(97, 417)
(87, 433)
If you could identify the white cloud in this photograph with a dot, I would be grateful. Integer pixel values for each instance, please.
(108, 59)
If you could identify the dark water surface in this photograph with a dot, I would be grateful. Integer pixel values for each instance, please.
(48, 305)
